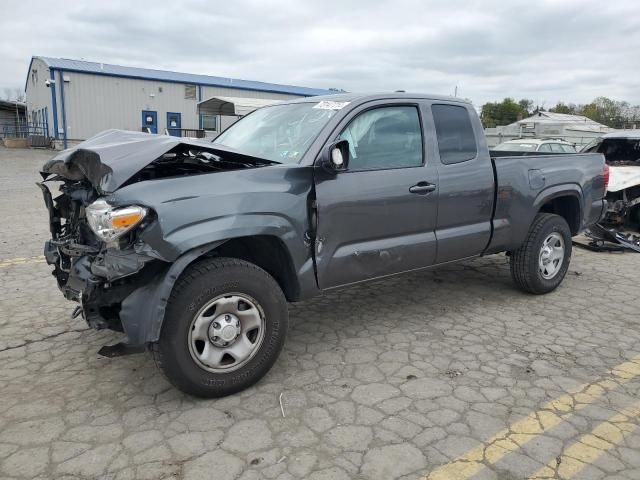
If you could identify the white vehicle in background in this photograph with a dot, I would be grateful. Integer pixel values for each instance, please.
(548, 145)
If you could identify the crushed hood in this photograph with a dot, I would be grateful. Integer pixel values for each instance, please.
(621, 178)
(112, 157)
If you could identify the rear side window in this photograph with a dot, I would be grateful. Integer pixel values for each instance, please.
(456, 140)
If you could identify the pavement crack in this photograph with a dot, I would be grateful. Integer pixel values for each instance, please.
(48, 337)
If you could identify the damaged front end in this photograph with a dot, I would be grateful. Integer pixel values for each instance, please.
(109, 254)
(98, 273)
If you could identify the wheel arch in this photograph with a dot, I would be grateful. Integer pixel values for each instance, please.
(565, 201)
(142, 313)
(267, 252)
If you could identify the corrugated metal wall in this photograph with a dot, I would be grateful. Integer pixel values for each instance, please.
(94, 103)
(38, 94)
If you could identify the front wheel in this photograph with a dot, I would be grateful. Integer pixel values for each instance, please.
(542, 261)
(225, 325)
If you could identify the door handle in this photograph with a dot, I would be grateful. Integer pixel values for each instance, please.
(422, 188)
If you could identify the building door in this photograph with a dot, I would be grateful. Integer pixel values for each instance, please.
(174, 123)
(150, 121)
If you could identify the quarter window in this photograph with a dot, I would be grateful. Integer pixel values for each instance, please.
(385, 137)
(456, 140)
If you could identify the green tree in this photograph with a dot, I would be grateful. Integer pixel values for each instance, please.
(526, 106)
(607, 111)
(561, 107)
(508, 111)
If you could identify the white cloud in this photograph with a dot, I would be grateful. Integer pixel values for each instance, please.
(547, 51)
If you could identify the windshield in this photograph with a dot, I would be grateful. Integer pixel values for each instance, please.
(516, 147)
(281, 133)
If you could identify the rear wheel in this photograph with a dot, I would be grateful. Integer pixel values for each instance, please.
(225, 325)
(542, 261)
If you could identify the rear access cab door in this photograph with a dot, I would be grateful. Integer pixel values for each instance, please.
(378, 217)
(466, 182)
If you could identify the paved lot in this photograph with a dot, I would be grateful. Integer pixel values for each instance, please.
(446, 374)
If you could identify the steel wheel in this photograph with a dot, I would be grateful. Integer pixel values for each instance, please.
(551, 255)
(226, 333)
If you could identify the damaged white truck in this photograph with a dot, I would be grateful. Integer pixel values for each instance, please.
(193, 249)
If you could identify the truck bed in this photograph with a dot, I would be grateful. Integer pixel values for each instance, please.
(523, 181)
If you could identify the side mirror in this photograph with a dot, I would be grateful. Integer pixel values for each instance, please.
(336, 156)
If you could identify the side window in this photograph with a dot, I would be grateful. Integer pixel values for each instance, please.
(568, 148)
(456, 140)
(545, 147)
(385, 137)
(557, 148)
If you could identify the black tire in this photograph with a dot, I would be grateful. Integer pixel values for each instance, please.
(525, 267)
(196, 286)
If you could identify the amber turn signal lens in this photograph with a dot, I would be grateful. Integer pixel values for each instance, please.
(126, 220)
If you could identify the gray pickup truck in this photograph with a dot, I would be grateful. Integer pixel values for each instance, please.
(193, 249)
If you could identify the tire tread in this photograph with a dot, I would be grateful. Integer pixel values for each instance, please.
(191, 274)
(521, 259)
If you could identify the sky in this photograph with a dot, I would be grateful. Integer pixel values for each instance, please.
(543, 50)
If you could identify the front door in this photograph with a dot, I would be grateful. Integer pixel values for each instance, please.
(378, 217)
(174, 124)
(150, 121)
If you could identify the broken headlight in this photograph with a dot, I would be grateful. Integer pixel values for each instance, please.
(109, 223)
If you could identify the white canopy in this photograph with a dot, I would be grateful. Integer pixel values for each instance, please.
(233, 106)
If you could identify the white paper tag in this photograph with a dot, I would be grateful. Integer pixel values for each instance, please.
(329, 105)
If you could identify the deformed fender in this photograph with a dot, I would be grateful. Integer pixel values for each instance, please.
(142, 312)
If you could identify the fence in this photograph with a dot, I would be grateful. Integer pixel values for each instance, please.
(22, 130)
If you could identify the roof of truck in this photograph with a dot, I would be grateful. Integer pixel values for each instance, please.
(352, 97)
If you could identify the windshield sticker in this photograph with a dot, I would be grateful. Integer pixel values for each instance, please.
(328, 105)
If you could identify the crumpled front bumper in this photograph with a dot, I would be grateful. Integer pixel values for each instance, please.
(100, 282)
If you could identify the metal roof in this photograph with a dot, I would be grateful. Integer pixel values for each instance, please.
(82, 66)
(568, 121)
(623, 134)
(233, 105)
(552, 117)
(12, 105)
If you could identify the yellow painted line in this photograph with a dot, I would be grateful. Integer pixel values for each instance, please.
(590, 446)
(7, 262)
(549, 416)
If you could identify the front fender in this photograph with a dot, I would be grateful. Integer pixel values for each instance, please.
(190, 236)
(142, 312)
